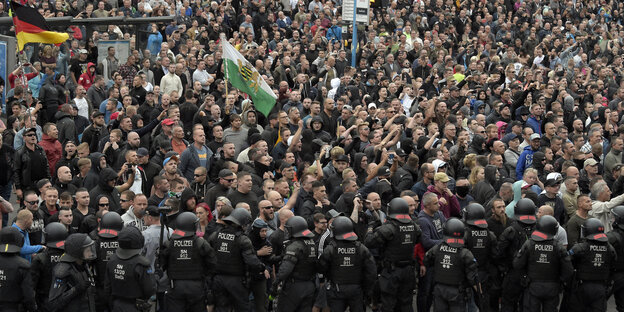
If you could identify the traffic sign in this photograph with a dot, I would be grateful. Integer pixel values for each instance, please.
(362, 10)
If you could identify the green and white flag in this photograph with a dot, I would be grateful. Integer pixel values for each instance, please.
(243, 76)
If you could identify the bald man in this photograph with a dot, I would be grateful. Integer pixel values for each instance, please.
(278, 236)
(561, 236)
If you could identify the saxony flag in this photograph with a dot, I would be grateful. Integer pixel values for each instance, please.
(30, 26)
(242, 75)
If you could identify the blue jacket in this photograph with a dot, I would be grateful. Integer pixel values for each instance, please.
(431, 228)
(334, 33)
(189, 160)
(535, 124)
(525, 160)
(27, 249)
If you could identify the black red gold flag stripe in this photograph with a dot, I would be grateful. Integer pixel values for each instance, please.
(30, 26)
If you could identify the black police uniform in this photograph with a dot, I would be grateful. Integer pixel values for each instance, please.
(73, 288)
(509, 243)
(349, 267)
(455, 269)
(397, 238)
(482, 243)
(44, 262)
(129, 280)
(593, 259)
(616, 239)
(547, 265)
(16, 286)
(188, 261)
(105, 246)
(234, 256)
(298, 268)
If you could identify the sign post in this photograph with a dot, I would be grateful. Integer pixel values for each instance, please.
(358, 10)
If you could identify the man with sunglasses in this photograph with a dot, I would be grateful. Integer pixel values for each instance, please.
(226, 180)
(31, 164)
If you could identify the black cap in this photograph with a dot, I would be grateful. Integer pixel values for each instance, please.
(130, 242)
(224, 173)
(142, 151)
(400, 152)
(383, 171)
(152, 211)
(97, 114)
(342, 158)
(30, 130)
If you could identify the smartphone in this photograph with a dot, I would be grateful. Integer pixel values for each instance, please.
(391, 159)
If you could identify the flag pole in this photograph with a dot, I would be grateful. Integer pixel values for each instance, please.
(8, 3)
(223, 38)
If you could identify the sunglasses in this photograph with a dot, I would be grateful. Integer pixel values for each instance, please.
(103, 205)
(229, 180)
(34, 202)
(122, 200)
(199, 175)
(267, 207)
(29, 135)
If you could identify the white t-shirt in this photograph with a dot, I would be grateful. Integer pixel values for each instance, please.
(83, 107)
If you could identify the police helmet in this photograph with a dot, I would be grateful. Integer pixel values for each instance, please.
(545, 229)
(398, 209)
(80, 246)
(11, 240)
(239, 216)
(453, 231)
(55, 235)
(186, 225)
(342, 228)
(593, 229)
(475, 215)
(524, 211)
(110, 225)
(618, 214)
(298, 227)
(131, 242)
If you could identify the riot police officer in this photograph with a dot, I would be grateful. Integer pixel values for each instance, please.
(105, 246)
(397, 237)
(593, 259)
(234, 255)
(455, 268)
(509, 242)
(44, 262)
(15, 280)
(298, 268)
(73, 287)
(482, 243)
(349, 266)
(188, 261)
(616, 239)
(129, 280)
(546, 263)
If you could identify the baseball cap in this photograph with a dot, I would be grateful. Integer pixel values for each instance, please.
(167, 122)
(97, 114)
(508, 137)
(383, 171)
(590, 162)
(441, 176)
(30, 130)
(174, 157)
(552, 181)
(535, 136)
(342, 158)
(142, 151)
(83, 51)
(152, 211)
(372, 105)
(224, 173)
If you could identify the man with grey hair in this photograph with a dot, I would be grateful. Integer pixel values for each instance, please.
(603, 203)
(430, 220)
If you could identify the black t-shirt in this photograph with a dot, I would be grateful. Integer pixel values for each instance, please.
(77, 67)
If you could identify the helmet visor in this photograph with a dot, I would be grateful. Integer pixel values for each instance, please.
(89, 253)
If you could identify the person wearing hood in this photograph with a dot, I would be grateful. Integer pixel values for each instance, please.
(449, 205)
(317, 127)
(106, 187)
(49, 96)
(477, 145)
(250, 119)
(525, 160)
(613, 157)
(87, 78)
(66, 125)
(539, 162)
(483, 190)
(98, 162)
(51, 145)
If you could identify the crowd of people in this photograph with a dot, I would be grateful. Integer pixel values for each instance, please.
(470, 159)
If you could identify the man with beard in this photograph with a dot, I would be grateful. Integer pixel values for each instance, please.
(96, 131)
(228, 153)
(196, 155)
(243, 193)
(226, 179)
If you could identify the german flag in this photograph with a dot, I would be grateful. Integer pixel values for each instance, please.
(30, 26)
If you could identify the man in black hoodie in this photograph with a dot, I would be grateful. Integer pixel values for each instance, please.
(106, 187)
(98, 162)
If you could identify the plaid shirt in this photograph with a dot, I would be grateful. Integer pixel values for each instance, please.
(127, 72)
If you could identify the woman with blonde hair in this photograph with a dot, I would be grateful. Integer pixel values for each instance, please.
(476, 174)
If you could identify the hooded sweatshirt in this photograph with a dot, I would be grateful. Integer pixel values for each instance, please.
(524, 161)
(103, 188)
(93, 176)
(87, 78)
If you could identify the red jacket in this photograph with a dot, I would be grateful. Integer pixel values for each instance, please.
(86, 79)
(450, 208)
(53, 150)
